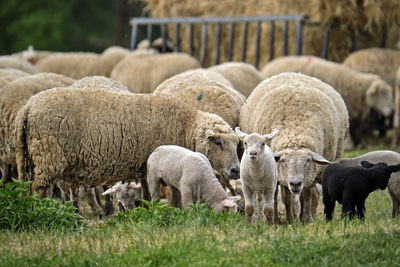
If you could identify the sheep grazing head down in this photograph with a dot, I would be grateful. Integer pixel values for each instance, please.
(296, 166)
(254, 144)
(380, 97)
(221, 150)
(128, 194)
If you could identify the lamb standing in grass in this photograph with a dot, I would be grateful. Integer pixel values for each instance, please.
(189, 175)
(350, 186)
(259, 175)
(390, 158)
(312, 125)
(128, 194)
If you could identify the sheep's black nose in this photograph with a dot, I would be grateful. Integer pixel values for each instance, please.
(253, 153)
(235, 172)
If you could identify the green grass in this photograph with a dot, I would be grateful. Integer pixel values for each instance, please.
(162, 236)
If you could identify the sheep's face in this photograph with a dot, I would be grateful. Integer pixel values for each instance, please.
(295, 165)
(225, 206)
(221, 150)
(380, 97)
(127, 194)
(254, 146)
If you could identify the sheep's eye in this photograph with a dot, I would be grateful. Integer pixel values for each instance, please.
(245, 143)
(218, 143)
(263, 144)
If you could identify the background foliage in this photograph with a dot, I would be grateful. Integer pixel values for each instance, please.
(73, 25)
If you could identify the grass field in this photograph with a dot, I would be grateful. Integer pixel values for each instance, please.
(163, 236)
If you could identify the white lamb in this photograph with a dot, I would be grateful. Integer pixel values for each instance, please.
(190, 177)
(128, 194)
(259, 175)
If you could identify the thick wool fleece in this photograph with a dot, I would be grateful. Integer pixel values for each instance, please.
(304, 114)
(243, 76)
(144, 74)
(13, 97)
(98, 137)
(198, 89)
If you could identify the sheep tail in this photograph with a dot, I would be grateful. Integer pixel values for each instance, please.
(24, 162)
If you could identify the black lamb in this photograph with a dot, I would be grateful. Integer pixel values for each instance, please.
(351, 185)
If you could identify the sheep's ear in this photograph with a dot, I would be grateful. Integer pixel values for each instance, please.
(319, 159)
(366, 164)
(110, 191)
(235, 198)
(210, 134)
(270, 135)
(240, 133)
(228, 204)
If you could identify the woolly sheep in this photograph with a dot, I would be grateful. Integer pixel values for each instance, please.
(128, 194)
(33, 56)
(100, 82)
(243, 76)
(360, 91)
(259, 175)
(199, 89)
(351, 185)
(144, 74)
(16, 63)
(100, 137)
(78, 65)
(12, 98)
(390, 158)
(10, 74)
(189, 175)
(381, 61)
(311, 130)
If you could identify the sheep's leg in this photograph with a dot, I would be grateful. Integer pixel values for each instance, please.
(109, 205)
(276, 217)
(268, 205)
(7, 173)
(92, 201)
(360, 209)
(176, 198)
(305, 208)
(187, 196)
(329, 205)
(348, 206)
(76, 198)
(250, 204)
(314, 200)
(154, 186)
(395, 203)
(287, 200)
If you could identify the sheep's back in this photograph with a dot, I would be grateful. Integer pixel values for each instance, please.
(99, 137)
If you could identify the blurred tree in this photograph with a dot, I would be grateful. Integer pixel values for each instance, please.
(74, 25)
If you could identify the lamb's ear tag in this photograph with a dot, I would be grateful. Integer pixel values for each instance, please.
(373, 90)
(210, 134)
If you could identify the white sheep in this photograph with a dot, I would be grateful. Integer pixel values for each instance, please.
(100, 137)
(311, 130)
(142, 74)
(12, 98)
(78, 65)
(128, 194)
(390, 158)
(243, 76)
(381, 61)
(259, 175)
(16, 63)
(202, 89)
(190, 177)
(360, 91)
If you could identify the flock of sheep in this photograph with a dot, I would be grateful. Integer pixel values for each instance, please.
(141, 124)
